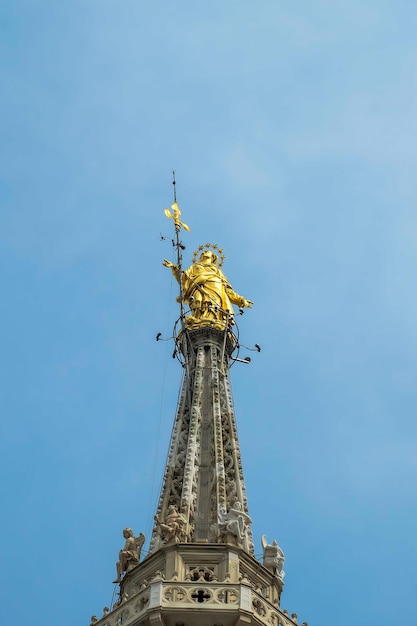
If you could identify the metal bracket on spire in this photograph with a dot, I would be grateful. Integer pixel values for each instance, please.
(246, 359)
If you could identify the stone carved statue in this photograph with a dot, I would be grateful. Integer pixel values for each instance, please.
(273, 557)
(172, 528)
(208, 292)
(234, 526)
(129, 556)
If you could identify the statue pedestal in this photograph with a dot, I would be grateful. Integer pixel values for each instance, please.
(192, 584)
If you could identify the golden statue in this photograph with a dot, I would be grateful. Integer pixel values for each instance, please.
(175, 215)
(207, 291)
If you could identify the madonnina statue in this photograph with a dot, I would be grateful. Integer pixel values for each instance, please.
(207, 292)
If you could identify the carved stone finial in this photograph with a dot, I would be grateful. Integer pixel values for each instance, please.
(294, 617)
(106, 611)
(158, 576)
(244, 580)
(94, 620)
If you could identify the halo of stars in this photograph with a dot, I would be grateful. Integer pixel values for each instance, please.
(210, 246)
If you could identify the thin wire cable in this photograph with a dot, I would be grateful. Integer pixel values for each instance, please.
(158, 436)
(113, 597)
(156, 498)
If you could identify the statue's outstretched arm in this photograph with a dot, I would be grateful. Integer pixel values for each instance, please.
(174, 269)
(237, 299)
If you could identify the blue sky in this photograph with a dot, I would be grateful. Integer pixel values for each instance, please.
(292, 128)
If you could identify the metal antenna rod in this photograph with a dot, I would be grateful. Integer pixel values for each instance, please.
(179, 248)
(174, 182)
